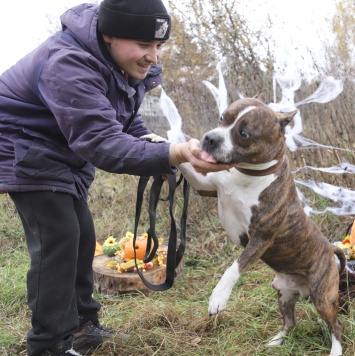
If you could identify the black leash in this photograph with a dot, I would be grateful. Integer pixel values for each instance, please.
(174, 254)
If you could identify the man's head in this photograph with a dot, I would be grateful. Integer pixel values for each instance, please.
(134, 32)
(135, 19)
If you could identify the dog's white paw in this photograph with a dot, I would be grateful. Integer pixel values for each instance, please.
(277, 340)
(218, 302)
(222, 291)
(336, 350)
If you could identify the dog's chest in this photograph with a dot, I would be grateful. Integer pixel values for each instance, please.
(237, 194)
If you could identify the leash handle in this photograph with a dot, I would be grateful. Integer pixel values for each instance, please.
(174, 256)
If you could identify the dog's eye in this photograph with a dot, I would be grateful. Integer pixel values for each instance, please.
(221, 118)
(244, 134)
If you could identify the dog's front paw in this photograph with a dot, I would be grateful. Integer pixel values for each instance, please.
(222, 291)
(218, 302)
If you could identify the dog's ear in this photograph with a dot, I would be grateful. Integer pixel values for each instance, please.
(261, 95)
(285, 118)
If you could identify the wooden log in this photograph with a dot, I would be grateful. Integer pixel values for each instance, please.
(109, 282)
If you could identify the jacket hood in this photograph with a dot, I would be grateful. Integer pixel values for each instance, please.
(81, 21)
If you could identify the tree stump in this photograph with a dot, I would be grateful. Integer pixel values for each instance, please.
(109, 282)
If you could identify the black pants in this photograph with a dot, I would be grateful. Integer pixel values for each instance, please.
(61, 242)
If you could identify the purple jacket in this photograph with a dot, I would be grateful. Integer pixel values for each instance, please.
(62, 111)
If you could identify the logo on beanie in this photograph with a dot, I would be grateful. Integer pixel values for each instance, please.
(161, 27)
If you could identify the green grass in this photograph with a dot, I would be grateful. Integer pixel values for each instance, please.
(174, 322)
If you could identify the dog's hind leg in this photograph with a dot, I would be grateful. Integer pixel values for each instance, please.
(289, 289)
(325, 296)
(328, 312)
(287, 300)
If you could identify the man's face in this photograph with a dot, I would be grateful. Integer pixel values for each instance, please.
(134, 57)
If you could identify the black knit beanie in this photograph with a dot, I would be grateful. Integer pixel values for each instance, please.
(134, 19)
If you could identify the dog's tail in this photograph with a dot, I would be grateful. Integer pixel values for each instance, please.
(341, 256)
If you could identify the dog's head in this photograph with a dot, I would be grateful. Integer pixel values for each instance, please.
(249, 131)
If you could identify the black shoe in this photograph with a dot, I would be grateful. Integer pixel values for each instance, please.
(63, 348)
(90, 335)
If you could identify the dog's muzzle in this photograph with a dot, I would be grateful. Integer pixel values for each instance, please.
(211, 141)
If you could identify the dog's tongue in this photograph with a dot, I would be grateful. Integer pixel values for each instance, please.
(207, 157)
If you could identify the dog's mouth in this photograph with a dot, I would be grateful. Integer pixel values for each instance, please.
(207, 157)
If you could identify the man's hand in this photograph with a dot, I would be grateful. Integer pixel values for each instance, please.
(191, 152)
(153, 138)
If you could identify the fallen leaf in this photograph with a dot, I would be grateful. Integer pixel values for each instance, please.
(196, 341)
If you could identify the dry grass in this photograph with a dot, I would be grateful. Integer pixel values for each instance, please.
(174, 322)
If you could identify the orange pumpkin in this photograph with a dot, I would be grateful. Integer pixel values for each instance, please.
(122, 242)
(140, 247)
(352, 235)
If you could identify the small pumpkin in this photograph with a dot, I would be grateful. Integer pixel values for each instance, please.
(125, 239)
(352, 235)
(110, 246)
(140, 247)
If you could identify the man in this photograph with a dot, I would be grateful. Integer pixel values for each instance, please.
(65, 108)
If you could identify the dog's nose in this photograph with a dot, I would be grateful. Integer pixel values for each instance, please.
(211, 141)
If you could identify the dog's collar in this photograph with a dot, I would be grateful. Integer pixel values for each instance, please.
(263, 172)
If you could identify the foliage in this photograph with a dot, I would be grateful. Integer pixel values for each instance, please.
(343, 25)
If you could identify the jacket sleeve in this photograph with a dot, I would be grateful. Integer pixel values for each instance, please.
(138, 127)
(74, 90)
